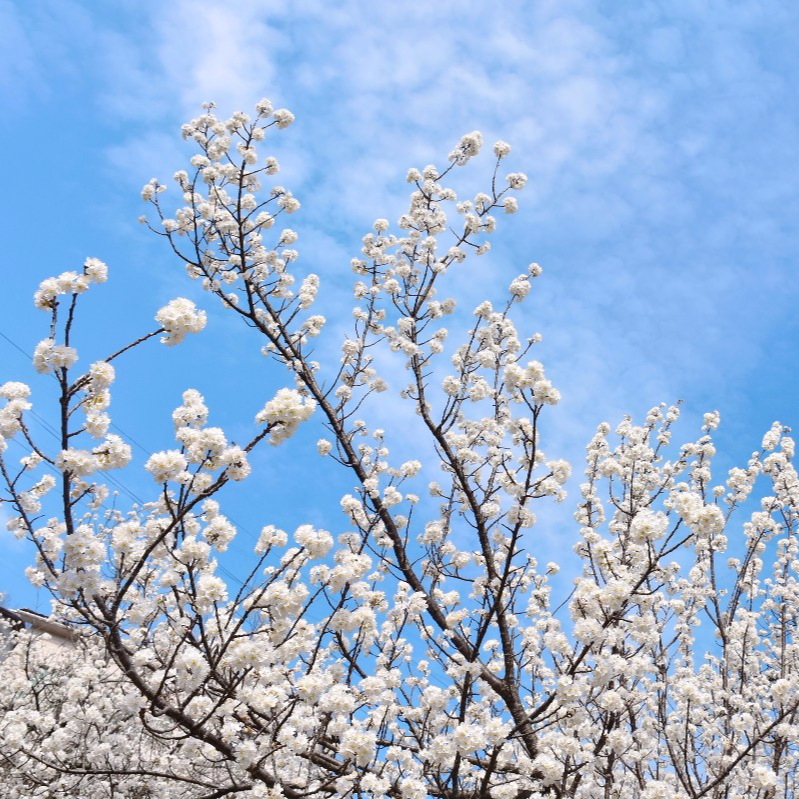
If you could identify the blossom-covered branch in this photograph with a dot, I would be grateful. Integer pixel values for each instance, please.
(421, 648)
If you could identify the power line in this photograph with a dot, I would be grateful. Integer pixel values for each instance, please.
(16, 346)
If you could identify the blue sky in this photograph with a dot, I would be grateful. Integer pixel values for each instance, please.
(660, 140)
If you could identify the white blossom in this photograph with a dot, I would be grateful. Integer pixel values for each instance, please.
(286, 411)
(178, 318)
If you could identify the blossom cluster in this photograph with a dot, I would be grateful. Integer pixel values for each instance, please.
(69, 283)
(179, 318)
(203, 448)
(285, 412)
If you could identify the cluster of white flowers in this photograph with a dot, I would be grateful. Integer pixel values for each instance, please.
(205, 447)
(285, 412)
(533, 379)
(96, 384)
(179, 318)
(166, 465)
(648, 525)
(64, 702)
(210, 589)
(16, 396)
(112, 453)
(705, 519)
(51, 357)
(307, 295)
(46, 296)
(317, 543)
(192, 413)
(520, 286)
(468, 146)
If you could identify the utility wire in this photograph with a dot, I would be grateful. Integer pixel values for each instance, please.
(16, 346)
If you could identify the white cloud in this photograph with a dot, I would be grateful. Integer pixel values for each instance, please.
(35, 40)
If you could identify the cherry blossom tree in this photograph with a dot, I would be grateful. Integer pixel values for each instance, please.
(418, 650)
